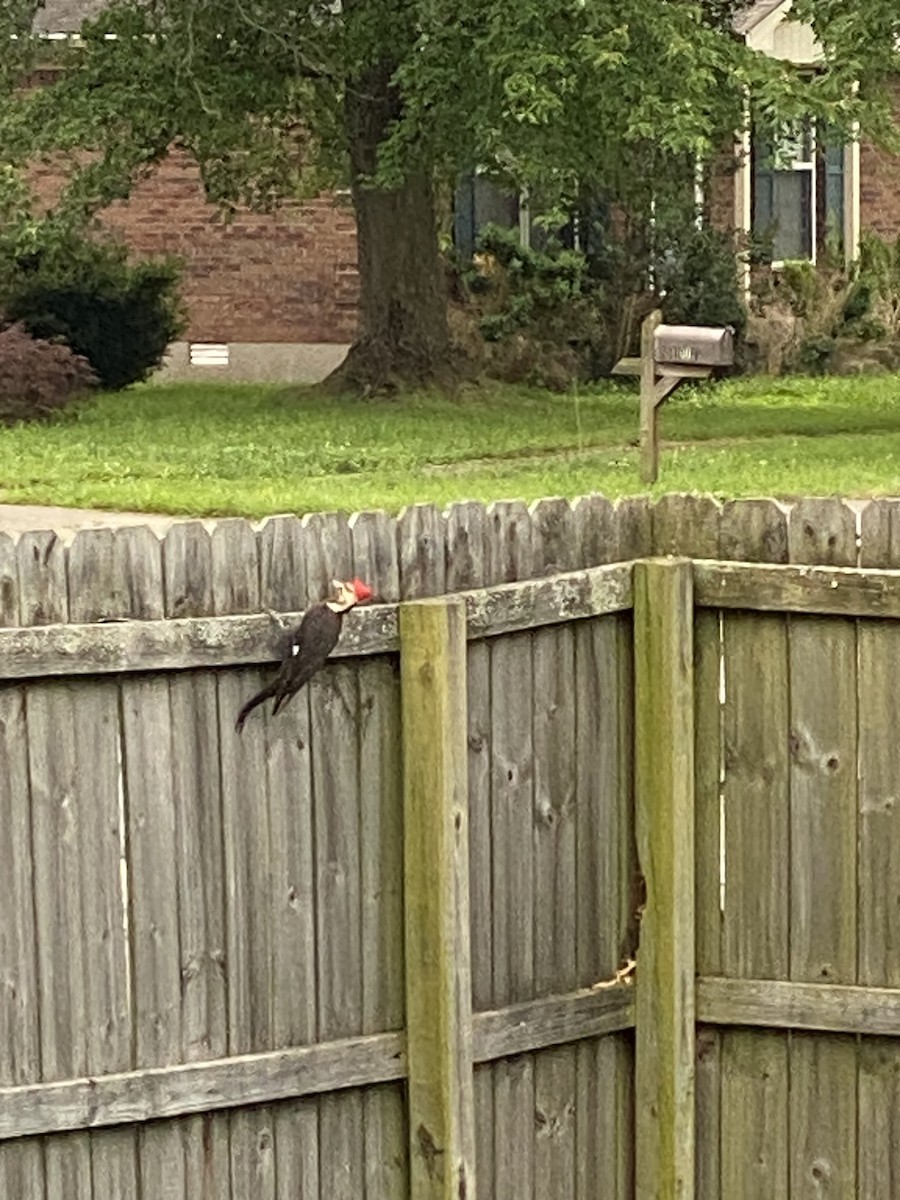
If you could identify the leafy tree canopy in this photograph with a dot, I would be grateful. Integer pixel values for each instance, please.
(276, 98)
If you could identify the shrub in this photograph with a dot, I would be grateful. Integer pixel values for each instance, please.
(699, 278)
(119, 316)
(532, 309)
(825, 318)
(38, 377)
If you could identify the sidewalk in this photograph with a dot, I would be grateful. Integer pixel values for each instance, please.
(16, 519)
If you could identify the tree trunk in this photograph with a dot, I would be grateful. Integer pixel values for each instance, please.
(404, 338)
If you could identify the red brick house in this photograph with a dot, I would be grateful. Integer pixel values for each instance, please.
(276, 295)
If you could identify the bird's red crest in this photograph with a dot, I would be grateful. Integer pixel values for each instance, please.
(362, 590)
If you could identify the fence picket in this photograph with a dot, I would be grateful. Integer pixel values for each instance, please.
(879, 860)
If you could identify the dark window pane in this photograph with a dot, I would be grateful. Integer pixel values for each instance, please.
(782, 205)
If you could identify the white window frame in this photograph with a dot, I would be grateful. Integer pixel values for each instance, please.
(808, 166)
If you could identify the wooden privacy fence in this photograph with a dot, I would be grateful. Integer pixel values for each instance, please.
(370, 949)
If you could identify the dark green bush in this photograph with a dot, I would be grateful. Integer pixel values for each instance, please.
(697, 272)
(119, 316)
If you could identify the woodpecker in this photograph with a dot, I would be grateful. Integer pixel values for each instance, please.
(309, 646)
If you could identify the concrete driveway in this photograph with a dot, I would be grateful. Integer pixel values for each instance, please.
(16, 519)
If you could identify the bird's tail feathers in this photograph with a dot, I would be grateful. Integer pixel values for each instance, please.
(252, 703)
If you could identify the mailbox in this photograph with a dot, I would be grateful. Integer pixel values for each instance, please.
(693, 346)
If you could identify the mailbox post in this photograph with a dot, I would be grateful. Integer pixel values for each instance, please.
(669, 354)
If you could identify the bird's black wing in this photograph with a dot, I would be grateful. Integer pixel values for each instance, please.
(305, 651)
(309, 648)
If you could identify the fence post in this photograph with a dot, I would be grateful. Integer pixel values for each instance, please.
(436, 877)
(664, 782)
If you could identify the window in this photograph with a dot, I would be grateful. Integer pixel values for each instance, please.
(481, 201)
(798, 190)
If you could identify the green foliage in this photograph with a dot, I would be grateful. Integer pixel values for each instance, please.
(257, 92)
(698, 277)
(829, 317)
(592, 303)
(63, 284)
(533, 289)
(38, 378)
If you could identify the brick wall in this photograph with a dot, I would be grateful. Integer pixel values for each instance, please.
(719, 192)
(286, 277)
(880, 186)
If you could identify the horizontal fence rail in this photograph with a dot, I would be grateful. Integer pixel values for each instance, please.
(125, 646)
(203, 1087)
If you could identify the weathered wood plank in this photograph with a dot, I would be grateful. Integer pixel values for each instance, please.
(253, 1166)
(154, 918)
(823, 848)
(879, 534)
(335, 719)
(634, 527)
(754, 1087)
(594, 531)
(21, 1163)
(249, 877)
(187, 570)
(606, 888)
(878, 927)
(41, 596)
(44, 592)
(664, 789)
(554, 549)
(785, 1004)
(509, 556)
(9, 581)
(552, 1021)
(436, 873)
(157, 1093)
(508, 542)
(282, 564)
(753, 531)
(286, 544)
(236, 640)
(247, 842)
(512, 934)
(686, 526)
(121, 575)
(753, 1149)
(467, 568)
(554, 845)
(879, 1117)
(605, 861)
(58, 878)
(381, 862)
(199, 856)
(335, 715)
(105, 903)
(822, 531)
(708, 886)
(375, 556)
(829, 591)
(421, 533)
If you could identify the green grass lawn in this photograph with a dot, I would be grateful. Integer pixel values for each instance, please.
(254, 450)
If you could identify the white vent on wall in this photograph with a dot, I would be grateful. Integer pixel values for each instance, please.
(209, 354)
